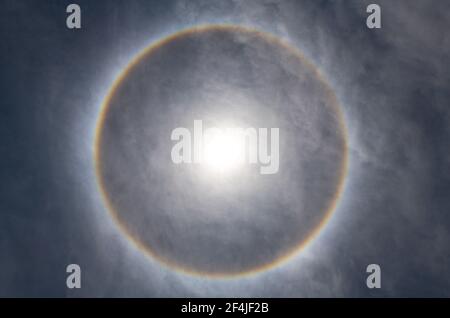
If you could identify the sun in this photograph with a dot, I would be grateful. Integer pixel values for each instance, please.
(223, 150)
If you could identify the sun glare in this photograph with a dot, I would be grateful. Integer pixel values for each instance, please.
(223, 150)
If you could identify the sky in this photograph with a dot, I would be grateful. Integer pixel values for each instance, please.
(391, 88)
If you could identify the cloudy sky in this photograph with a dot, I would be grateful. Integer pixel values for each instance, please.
(392, 90)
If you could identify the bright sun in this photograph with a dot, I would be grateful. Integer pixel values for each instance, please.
(223, 150)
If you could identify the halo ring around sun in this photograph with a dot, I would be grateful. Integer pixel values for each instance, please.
(99, 158)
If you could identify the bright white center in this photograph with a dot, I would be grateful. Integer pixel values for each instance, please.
(223, 150)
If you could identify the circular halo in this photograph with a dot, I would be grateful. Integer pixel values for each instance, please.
(146, 54)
